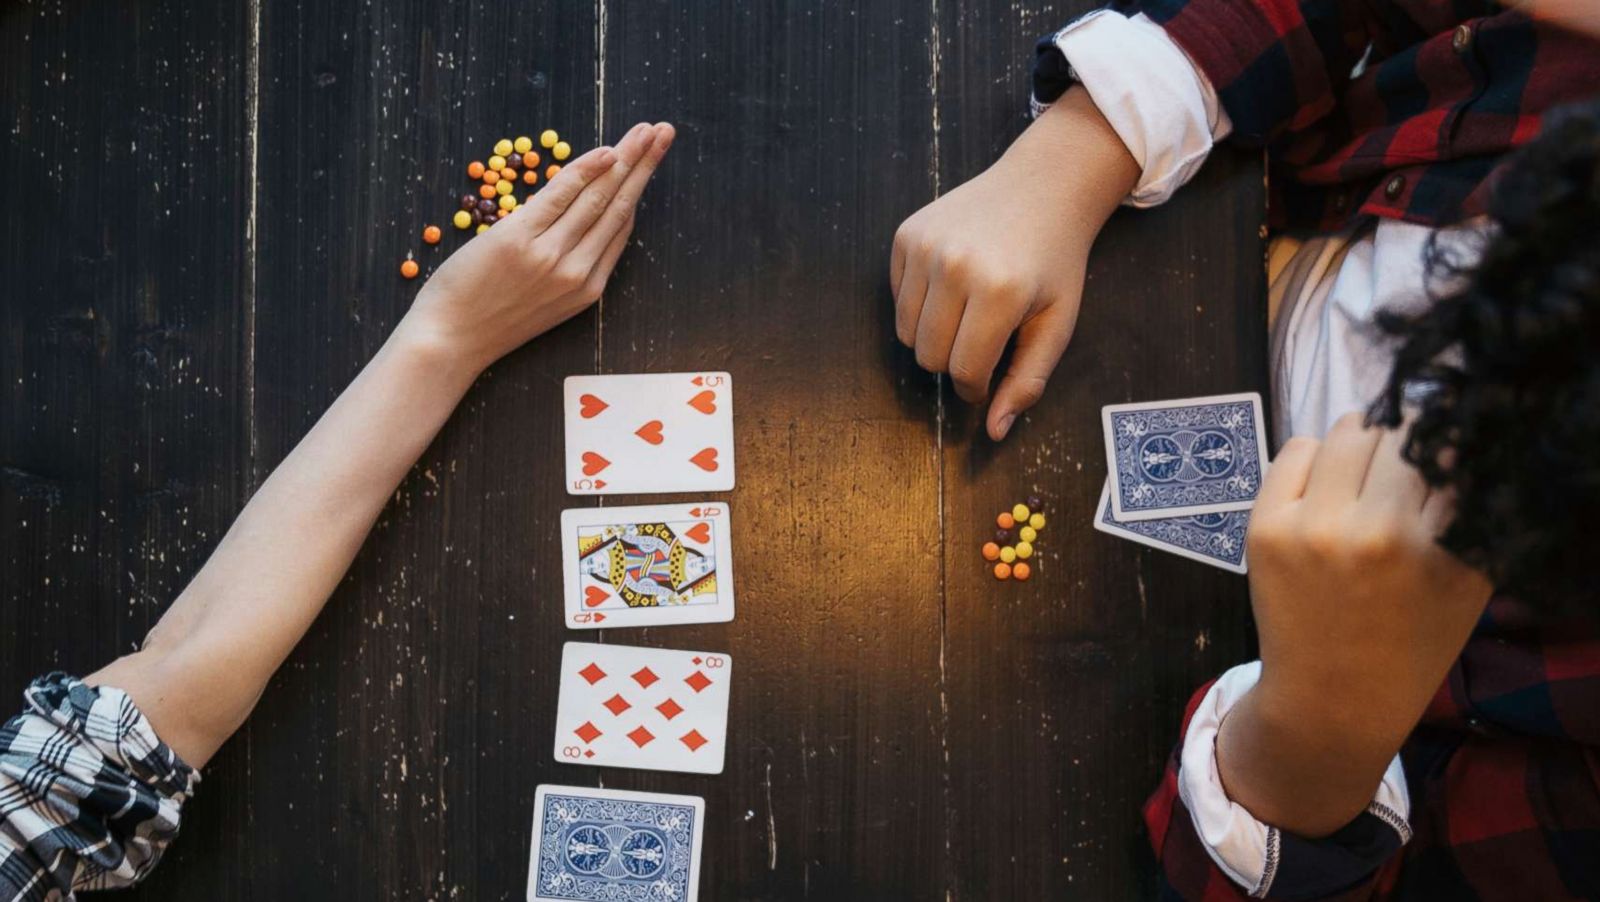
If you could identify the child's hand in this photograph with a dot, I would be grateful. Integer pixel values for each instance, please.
(545, 262)
(1006, 252)
(1360, 614)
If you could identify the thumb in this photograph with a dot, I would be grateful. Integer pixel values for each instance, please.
(1040, 343)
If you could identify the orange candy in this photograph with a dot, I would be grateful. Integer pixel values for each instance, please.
(530, 176)
(475, 170)
(486, 191)
(1002, 571)
(551, 172)
(1020, 570)
(991, 551)
(1005, 520)
(409, 269)
(508, 174)
(431, 234)
(530, 159)
(490, 177)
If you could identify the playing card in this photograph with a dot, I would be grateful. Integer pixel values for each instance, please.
(1215, 539)
(604, 845)
(651, 565)
(649, 708)
(649, 432)
(1179, 458)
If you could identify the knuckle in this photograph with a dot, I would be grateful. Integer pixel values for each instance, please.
(970, 383)
(930, 360)
(541, 258)
(1350, 422)
(569, 277)
(1028, 390)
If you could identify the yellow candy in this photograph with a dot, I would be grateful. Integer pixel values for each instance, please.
(1028, 533)
(548, 138)
(462, 219)
(561, 151)
(482, 227)
(1020, 513)
(1009, 554)
(522, 145)
(504, 187)
(1036, 521)
(497, 162)
(1024, 550)
(508, 201)
(502, 147)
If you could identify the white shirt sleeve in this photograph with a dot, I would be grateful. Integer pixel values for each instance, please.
(1160, 104)
(1245, 848)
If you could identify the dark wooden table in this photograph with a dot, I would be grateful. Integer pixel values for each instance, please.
(205, 208)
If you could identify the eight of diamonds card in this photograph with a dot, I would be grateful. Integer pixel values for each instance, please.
(649, 708)
(652, 565)
(601, 844)
(649, 432)
(1185, 457)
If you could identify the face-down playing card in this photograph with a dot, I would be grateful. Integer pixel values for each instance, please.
(605, 844)
(649, 433)
(1215, 539)
(1184, 457)
(647, 708)
(651, 565)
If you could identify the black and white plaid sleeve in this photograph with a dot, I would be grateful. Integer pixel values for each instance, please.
(90, 797)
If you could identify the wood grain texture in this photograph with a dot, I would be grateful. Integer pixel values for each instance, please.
(1066, 692)
(205, 215)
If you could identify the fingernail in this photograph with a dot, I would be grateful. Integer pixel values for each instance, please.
(1005, 423)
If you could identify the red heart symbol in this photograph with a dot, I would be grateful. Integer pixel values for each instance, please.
(705, 402)
(594, 596)
(598, 616)
(650, 432)
(589, 406)
(700, 532)
(593, 463)
(706, 460)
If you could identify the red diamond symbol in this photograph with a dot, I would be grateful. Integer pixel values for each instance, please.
(644, 676)
(693, 740)
(592, 673)
(697, 681)
(616, 704)
(588, 732)
(588, 753)
(697, 660)
(641, 737)
(669, 709)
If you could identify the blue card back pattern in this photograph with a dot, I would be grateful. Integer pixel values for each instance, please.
(595, 848)
(1184, 457)
(1216, 539)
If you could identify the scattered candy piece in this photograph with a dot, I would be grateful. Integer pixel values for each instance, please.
(497, 162)
(468, 201)
(991, 551)
(1005, 520)
(552, 172)
(1021, 571)
(508, 202)
(1028, 533)
(1024, 550)
(561, 151)
(522, 144)
(530, 159)
(474, 170)
(1002, 571)
(530, 176)
(548, 138)
(491, 177)
(505, 186)
(1036, 521)
(462, 219)
(501, 148)
(1020, 513)
(409, 269)
(1003, 536)
(1034, 503)
(1008, 554)
(482, 227)
(486, 191)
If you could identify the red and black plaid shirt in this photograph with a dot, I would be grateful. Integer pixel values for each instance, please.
(1441, 90)
(1504, 777)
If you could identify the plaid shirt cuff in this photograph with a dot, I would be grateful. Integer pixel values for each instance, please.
(1260, 858)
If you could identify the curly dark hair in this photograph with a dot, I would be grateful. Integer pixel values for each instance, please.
(1504, 374)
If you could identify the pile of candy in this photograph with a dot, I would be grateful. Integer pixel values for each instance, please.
(512, 162)
(1013, 541)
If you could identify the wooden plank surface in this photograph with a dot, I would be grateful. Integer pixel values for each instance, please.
(206, 212)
